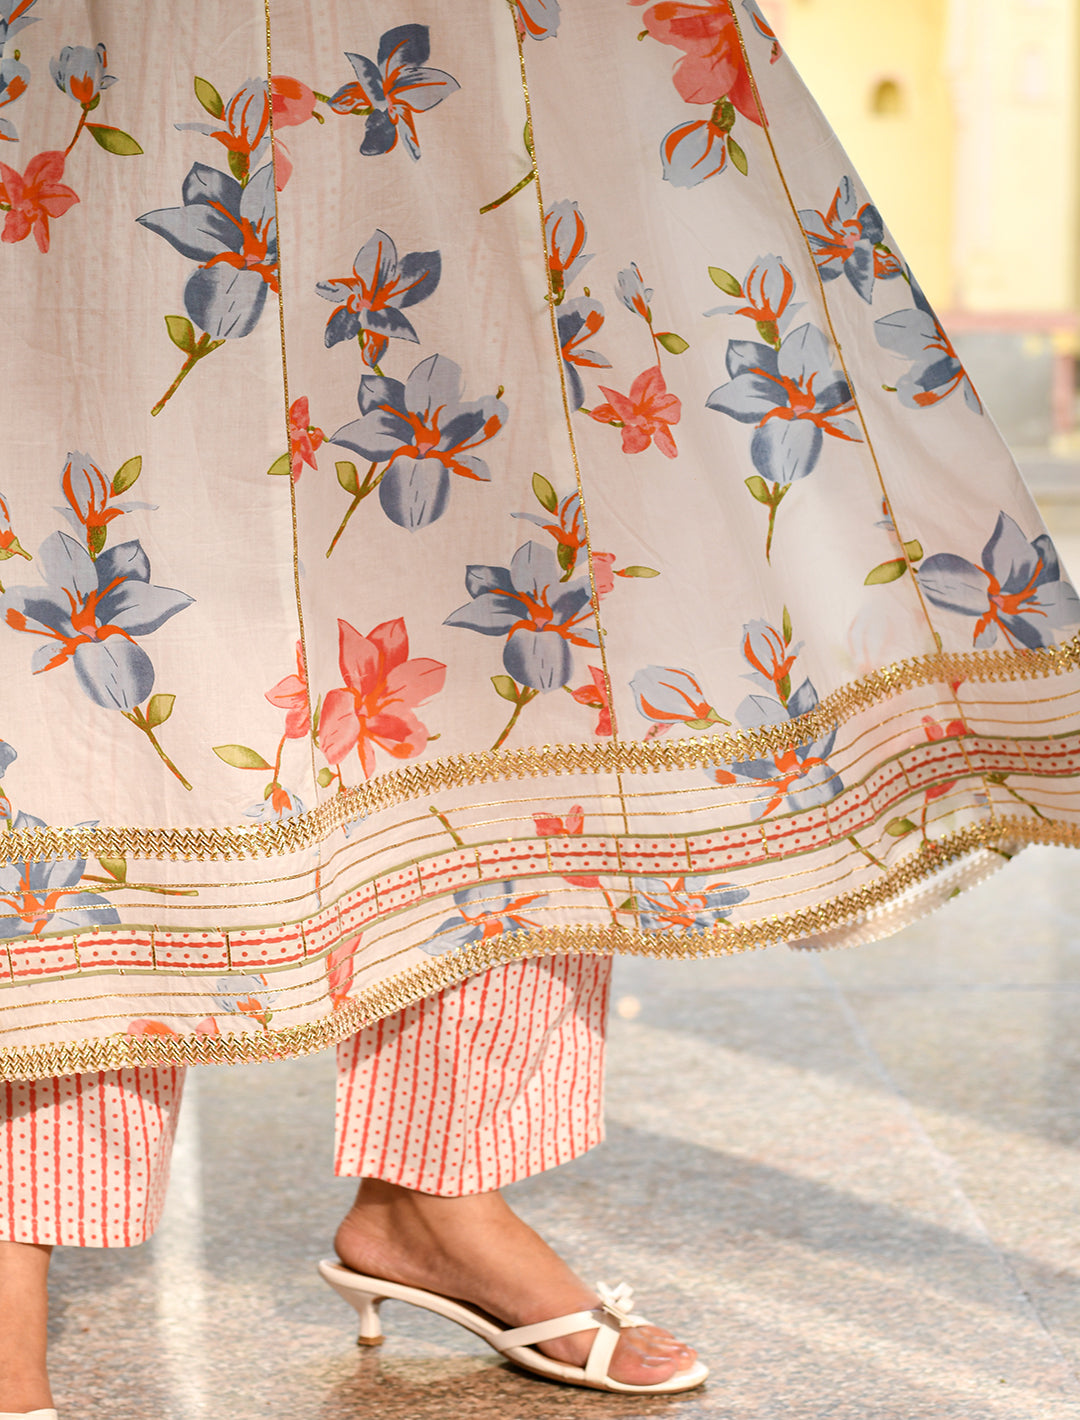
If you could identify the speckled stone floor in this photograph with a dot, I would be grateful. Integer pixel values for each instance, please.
(852, 1179)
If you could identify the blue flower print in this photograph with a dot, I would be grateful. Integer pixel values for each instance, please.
(282, 804)
(232, 230)
(802, 776)
(372, 299)
(634, 294)
(579, 320)
(394, 89)
(14, 77)
(565, 234)
(541, 615)
(80, 73)
(424, 431)
(694, 152)
(90, 613)
(15, 16)
(46, 893)
(847, 241)
(539, 19)
(7, 757)
(685, 904)
(794, 395)
(485, 911)
(1018, 589)
(233, 995)
(936, 370)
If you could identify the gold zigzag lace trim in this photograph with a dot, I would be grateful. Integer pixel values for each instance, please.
(294, 835)
(865, 905)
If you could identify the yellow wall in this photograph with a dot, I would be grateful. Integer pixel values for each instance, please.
(1015, 70)
(844, 50)
(979, 175)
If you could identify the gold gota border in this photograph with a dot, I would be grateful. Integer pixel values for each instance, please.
(305, 831)
(864, 907)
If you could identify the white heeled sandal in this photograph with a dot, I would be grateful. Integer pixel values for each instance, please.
(516, 1343)
(27, 1415)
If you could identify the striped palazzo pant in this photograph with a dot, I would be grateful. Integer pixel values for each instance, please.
(491, 1080)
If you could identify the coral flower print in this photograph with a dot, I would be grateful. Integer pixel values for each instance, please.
(304, 438)
(712, 67)
(291, 100)
(645, 415)
(80, 73)
(375, 707)
(595, 695)
(291, 695)
(1018, 589)
(394, 89)
(32, 197)
(935, 731)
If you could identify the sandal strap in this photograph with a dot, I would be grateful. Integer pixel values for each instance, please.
(551, 1330)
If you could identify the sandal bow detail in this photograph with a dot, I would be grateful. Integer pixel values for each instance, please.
(515, 1343)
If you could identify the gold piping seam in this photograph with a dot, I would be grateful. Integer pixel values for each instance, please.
(537, 761)
(285, 377)
(1001, 835)
(870, 446)
(567, 412)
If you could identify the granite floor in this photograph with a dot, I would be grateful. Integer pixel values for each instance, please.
(852, 1178)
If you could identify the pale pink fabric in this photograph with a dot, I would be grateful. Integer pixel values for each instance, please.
(84, 1159)
(493, 1080)
(490, 1081)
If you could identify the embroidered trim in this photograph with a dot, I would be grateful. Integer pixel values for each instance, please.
(864, 909)
(538, 761)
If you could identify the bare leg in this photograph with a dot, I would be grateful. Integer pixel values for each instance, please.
(476, 1249)
(24, 1310)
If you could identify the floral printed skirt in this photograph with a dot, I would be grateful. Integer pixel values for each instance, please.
(479, 480)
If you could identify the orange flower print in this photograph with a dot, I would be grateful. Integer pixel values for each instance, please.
(340, 970)
(596, 696)
(292, 101)
(291, 695)
(645, 415)
(31, 198)
(374, 708)
(304, 438)
(935, 730)
(550, 826)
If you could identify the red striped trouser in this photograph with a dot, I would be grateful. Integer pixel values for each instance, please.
(489, 1081)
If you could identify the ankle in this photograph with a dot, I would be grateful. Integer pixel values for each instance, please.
(24, 1310)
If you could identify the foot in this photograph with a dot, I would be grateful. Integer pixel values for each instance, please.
(24, 1310)
(476, 1249)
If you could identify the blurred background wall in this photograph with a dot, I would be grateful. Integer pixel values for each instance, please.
(963, 119)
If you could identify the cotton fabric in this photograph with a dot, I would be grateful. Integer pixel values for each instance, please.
(490, 1081)
(480, 480)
